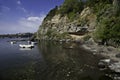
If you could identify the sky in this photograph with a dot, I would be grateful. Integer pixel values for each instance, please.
(19, 16)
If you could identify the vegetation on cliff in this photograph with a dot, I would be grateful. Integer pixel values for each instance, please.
(108, 28)
(70, 8)
(105, 13)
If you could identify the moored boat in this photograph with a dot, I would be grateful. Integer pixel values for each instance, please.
(27, 45)
(13, 42)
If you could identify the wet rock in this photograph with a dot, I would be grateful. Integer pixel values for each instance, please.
(105, 78)
(105, 61)
(90, 41)
(103, 64)
(118, 55)
(110, 48)
(116, 78)
(68, 75)
(115, 67)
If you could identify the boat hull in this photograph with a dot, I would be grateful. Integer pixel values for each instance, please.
(26, 46)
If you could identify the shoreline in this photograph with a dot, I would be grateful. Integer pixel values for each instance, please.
(108, 52)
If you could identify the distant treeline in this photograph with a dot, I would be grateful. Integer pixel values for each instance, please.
(18, 35)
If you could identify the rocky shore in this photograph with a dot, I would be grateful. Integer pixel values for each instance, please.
(109, 52)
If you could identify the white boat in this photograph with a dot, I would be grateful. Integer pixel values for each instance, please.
(13, 42)
(27, 45)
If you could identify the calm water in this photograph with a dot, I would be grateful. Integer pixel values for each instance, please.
(48, 61)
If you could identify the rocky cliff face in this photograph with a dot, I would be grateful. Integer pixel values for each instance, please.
(59, 27)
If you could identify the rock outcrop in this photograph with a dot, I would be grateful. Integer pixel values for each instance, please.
(59, 27)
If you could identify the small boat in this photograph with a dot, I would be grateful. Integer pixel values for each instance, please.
(13, 42)
(27, 45)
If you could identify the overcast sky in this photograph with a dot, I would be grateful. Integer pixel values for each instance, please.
(18, 16)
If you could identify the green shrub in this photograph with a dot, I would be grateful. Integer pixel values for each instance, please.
(52, 13)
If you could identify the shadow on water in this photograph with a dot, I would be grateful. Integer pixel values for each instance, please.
(58, 62)
(64, 63)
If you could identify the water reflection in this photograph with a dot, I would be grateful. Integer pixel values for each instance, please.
(24, 49)
(64, 63)
(54, 61)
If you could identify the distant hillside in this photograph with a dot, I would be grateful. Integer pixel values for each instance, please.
(80, 20)
(21, 35)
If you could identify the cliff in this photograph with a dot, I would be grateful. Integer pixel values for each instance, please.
(82, 20)
(60, 27)
(96, 21)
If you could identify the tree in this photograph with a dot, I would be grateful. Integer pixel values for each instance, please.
(71, 6)
(116, 5)
(52, 13)
(92, 3)
(103, 30)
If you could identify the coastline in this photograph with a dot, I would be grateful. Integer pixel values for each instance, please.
(108, 52)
